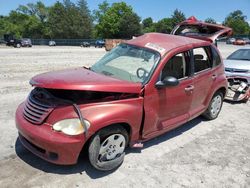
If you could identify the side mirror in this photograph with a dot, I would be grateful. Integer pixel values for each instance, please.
(168, 81)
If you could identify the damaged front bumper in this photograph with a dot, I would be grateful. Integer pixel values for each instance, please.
(238, 89)
(47, 144)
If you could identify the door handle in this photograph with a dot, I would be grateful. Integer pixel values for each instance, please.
(214, 77)
(189, 88)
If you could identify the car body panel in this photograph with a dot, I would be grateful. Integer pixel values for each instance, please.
(38, 138)
(237, 68)
(215, 31)
(83, 79)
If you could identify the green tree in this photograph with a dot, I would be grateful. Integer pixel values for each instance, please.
(116, 21)
(177, 17)
(68, 20)
(237, 21)
(102, 9)
(164, 26)
(148, 25)
(85, 19)
(210, 20)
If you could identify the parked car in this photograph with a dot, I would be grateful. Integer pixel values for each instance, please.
(10, 40)
(237, 68)
(239, 41)
(247, 40)
(99, 44)
(25, 42)
(141, 89)
(17, 43)
(85, 44)
(52, 43)
(230, 41)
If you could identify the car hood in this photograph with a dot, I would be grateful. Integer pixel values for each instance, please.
(207, 31)
(83, 79)
(237, 64)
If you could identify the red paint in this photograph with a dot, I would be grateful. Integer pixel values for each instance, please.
(216, 30)
(153, 112)
(83, 79)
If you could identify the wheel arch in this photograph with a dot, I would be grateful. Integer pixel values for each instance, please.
(223, 90)
(124, 125)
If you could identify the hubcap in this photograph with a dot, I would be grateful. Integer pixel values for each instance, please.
(216, 105)
(112, 147)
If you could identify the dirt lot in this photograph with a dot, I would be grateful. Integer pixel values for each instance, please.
(198, 154)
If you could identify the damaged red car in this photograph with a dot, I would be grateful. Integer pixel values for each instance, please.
(141, 89)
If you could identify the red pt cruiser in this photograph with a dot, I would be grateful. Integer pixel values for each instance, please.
(141, 89)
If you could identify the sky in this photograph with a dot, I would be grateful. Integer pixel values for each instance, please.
(158, 9)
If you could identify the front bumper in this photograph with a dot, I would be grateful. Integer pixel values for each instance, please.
(238, 75)
(47, 144)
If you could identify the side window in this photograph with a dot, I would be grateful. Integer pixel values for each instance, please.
(178, 66)
(202, 59)
(216, 58)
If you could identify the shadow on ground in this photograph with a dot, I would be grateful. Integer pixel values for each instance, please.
(83, 164)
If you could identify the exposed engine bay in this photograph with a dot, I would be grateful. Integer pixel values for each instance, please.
(238, 89)
(56, 97)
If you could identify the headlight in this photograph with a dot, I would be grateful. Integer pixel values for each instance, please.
(70, 126)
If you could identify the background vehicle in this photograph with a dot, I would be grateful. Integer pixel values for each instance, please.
(239, 41)
(230, 41)
(237, 69)
(25, 42)
(52, 43)
(247, 40)
(85, 44)
(99, 44)
(12, 41)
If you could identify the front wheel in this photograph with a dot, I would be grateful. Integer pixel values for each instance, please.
(214, 107)
(106, 149)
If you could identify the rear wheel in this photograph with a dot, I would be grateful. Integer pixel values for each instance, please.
(214, 107)
(106, 149)
(18, 45)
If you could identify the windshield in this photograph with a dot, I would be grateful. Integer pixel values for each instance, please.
(242, 54)
(127, 62)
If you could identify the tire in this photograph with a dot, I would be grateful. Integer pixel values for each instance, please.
(106, 148)
(214, 107)
(18, 45)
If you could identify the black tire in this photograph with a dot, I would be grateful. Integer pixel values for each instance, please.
(95, 146)
(209, 113)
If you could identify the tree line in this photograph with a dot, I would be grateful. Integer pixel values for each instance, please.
(68, 20)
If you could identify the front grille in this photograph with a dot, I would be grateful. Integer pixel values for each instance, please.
(236, 70)
(34, 111)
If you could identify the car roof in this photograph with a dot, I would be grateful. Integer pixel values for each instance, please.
(164, 42)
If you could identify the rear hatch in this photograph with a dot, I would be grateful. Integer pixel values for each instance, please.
(201, 30)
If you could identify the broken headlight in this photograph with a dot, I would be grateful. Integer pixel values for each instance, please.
(70, 126)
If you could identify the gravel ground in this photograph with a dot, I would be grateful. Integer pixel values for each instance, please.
(198, 154)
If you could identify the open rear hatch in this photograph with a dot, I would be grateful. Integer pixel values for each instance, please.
(201, 30)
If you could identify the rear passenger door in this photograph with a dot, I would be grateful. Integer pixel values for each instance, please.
(203, 78)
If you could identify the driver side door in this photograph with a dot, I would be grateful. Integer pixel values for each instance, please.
(168, 107)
